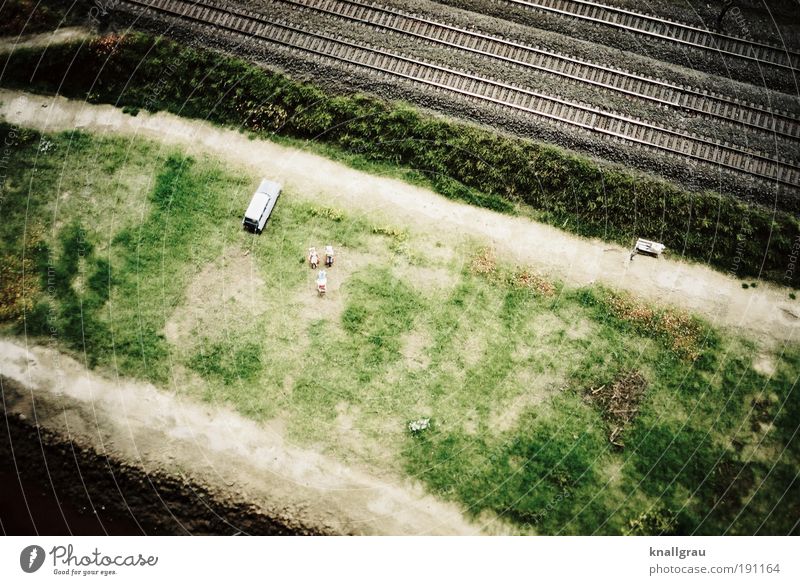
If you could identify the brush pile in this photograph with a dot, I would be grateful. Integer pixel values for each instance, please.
(619, 402)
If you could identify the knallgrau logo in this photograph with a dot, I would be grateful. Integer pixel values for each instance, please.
(31, 558)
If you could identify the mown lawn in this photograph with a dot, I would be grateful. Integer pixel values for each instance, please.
(133, 257)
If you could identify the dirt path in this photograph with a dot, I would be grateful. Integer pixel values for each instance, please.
(62, 35)
(765, 313)
(159, 432)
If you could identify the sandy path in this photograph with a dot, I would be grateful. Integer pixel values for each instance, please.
(157, 431)
(765, 313)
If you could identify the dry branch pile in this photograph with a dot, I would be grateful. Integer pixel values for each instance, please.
(619, 402)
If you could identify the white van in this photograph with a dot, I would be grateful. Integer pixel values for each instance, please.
(261, 205)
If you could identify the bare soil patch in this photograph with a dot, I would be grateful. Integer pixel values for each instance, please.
(539, 387)
(426, 279)
(225, 291)
(764, 365)
(413, 348)
(353, 444)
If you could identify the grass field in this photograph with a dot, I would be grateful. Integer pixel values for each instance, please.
(133, 256)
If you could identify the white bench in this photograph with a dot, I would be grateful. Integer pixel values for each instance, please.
(648, 247)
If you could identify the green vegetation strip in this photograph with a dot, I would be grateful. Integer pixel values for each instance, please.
(458, 160)
(24, 17)
(134, 258)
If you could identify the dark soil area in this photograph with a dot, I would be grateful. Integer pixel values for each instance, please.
(57, 487)
(30, 507)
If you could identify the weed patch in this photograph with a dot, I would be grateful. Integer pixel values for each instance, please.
(484, 263)
(682, 333)
(522, 279)
(525, 279)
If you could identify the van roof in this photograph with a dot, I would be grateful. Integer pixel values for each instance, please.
(266, 190)
(257, 205)
(269, 187)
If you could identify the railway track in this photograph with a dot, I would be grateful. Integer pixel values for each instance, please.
(255, 26)
(636, 22)
(656, 91)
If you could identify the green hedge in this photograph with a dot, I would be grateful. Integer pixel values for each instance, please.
(34, 16)
(463, 161)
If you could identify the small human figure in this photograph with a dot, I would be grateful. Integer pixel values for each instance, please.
(329, 256)
(322, 282)
(313, 257)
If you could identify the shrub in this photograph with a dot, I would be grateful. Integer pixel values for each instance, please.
(32, 16)
(653, 522)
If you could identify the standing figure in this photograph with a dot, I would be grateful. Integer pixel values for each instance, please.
(322, 282)
(313, 257)
(328, 256)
